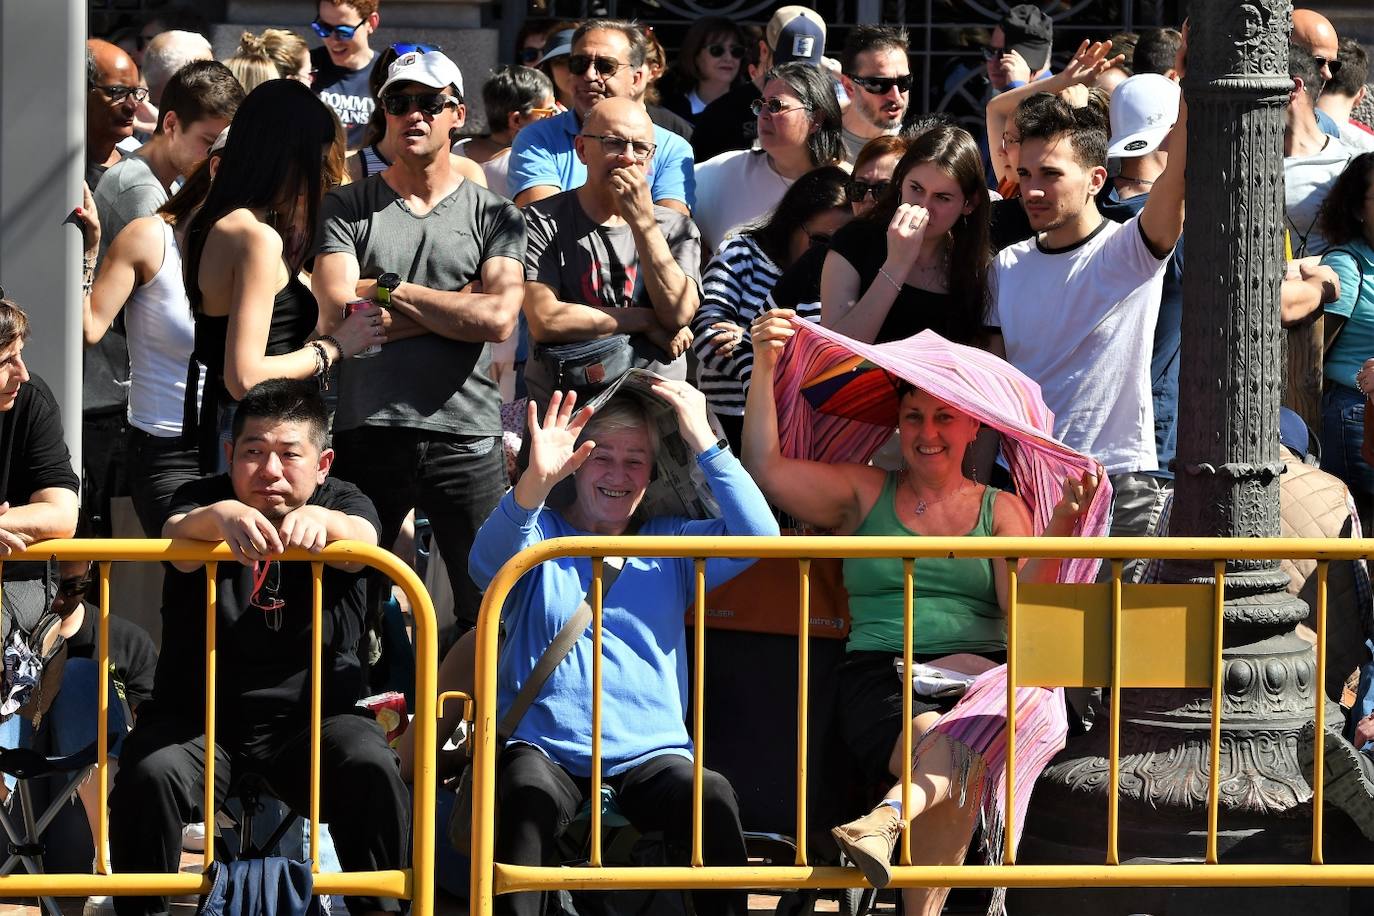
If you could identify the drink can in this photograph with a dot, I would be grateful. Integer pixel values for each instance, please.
(349, 308)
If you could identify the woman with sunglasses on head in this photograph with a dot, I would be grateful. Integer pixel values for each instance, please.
(710, 62)
(243, 250)
(799, 130)
(377, 151)
(736, 284)
(920, 258)
(513, 97)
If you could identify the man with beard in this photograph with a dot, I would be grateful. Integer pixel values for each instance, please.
(1077, 303)
(876, 76)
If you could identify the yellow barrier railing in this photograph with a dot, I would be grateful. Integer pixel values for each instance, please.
(1058, 635)
(415, 883)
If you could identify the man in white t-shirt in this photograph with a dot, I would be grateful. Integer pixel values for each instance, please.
(1076, 304)
(1312, 160)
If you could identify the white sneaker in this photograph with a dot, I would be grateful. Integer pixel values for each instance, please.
(98, 906)
(193, 837)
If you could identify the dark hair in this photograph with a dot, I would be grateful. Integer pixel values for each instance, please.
(953, 151)
(864, 38)
(513, 90)
(1125, 43)
(1156, 51)
(698, 36)
(1044, 117)
(376, 122)
(1303, 66)
(815, 192)
(632, 31)
(14, 323)
(927, 121)
(1341, 219)
(190, 195)
(285, 400)
(201, 89)
(1354, 70)
(274, 153)
(881, 146)
(531, 26)
(817, 93)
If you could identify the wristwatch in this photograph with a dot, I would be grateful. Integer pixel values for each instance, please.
(386, 284)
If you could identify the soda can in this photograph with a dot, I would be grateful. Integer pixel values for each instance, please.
(349, 308)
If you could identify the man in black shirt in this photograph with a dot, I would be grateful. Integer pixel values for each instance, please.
(276, 496)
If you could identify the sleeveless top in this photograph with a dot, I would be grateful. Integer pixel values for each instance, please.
(372, 160)
(294, 314)
(161, 334)
(956, 600)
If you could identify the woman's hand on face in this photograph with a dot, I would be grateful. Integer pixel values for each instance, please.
(361, 330)
(554, 452)
(1077, 496)
(690, 406)
(770, 333)
(905, 233)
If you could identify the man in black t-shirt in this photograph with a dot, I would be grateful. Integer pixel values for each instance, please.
(276, 496)
(344, 62)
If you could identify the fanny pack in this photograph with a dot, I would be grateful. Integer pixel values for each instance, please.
(589, 366)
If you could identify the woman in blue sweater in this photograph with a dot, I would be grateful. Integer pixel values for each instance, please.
(544, 770)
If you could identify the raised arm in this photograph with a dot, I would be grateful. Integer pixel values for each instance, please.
(1162, 218)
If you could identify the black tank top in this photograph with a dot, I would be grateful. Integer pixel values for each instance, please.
(294, 314)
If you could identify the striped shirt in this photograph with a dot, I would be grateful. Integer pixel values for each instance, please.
(734, 288)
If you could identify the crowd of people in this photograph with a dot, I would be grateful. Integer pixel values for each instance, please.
(318, 308)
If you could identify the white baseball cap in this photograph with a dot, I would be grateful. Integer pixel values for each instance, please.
(1144, 107)
(428, 68)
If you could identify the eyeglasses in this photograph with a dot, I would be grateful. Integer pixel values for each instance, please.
(773, 106)
(642, 150)
(118, 94)
(429, 103)
(406, 47)
(530, 55)
(881, 85)
(992, 53)
(1334, 64)
(578, 64)
(341, 32)
(855, 190)
(718, 50)
(266, 595)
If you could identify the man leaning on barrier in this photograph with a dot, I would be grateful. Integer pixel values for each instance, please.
(277, 495)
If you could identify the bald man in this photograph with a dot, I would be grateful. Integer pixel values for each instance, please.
(1315, 32)
(604, 260)
(113, 93)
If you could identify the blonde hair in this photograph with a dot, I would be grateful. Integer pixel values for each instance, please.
(272, 54)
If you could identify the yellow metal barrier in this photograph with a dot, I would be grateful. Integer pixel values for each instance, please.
(415, 883)
(1057, 635)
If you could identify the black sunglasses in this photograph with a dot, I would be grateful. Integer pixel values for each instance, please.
(530, 55)
(992, 53)
(881, 85)
(856, 190)
(1331, 62)
(429, 103)
(118, 94)
(579, 64)
(342, 32)
(773, 106)
(735, 51)
(266, 595)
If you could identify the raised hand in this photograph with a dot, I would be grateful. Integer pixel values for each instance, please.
(905, 233)
(88, 219)
(770, 333)
(554, 452)
(1073, 503)
(690, 406)
(1089, 62)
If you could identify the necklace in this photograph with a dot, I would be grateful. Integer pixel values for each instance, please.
(922, 505)
(1142, 181)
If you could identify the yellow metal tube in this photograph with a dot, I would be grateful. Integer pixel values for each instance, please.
(211, 614)
(316, 715)
(803, 699)
(102, 734)
(1009, 836)
(1214, 746)
(396, 883)
(908, 663)
(1319, 736)
(597, 596)
(1114, 725)
(698, 709)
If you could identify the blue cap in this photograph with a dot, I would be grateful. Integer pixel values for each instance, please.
(1293, 432)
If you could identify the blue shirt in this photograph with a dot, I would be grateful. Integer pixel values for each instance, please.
(1328, 124)
(644, 643)
(543, 154)
(1353, 263)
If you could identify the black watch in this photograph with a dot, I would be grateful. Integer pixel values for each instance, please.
(386, 285)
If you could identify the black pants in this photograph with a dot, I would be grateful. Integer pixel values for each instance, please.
(160, 787)
(161, 465)
(104, 476)
(536, 799)
(449, 477)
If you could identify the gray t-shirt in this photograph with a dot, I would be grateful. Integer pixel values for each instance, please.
(428, 382)
(128, 191)
(584, 261)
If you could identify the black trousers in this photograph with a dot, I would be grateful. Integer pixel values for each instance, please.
(160, 787)
(161, 465)
(536, 799)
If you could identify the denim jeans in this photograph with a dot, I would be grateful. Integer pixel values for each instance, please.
(71, 717)
(1342, 433)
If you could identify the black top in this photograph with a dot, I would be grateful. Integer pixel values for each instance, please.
(669, 120)
(263, 684)
(799, 287)
(33, 456)
(133, 657)
(294, 314)
(727, 123)
(1009, 223)
(863, 243)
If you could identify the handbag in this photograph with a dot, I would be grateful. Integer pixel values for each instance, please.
(460, 824)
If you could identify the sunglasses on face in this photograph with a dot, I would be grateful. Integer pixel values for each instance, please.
(1334, 64)
(405, 47)
(881, 85)
(429, 103)
(641, 150)
(773, 106)
(118, 94)
(530, 55)
(341, 32)
(856, 190)
(992, 53)
(719, 50)
(605, 66)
